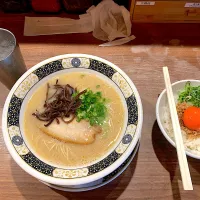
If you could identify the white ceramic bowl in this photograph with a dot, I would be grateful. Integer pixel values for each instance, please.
(162, 102)
(14, 109)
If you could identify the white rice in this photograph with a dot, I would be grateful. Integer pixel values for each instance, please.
(191, 145)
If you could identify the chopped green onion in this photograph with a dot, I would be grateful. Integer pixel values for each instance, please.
(92, 108)
(97, 86)
(75, 94)
(82, 75)
(190, 94)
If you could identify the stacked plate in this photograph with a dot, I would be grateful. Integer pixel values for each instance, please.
(86, 177)
(101, 182)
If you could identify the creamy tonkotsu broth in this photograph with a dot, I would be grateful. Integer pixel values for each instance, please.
(68, 154)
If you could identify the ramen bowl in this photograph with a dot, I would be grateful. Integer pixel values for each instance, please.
(161, 105)
(71, 177)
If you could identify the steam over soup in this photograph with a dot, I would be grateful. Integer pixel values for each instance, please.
(74, 119)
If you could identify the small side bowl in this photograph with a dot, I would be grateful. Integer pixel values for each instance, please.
(162, 102)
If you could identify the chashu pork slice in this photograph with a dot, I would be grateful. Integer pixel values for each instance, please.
(74, 132)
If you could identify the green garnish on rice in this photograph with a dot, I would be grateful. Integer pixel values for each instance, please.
(190, 94)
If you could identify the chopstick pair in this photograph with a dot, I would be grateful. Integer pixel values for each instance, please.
(183, 164)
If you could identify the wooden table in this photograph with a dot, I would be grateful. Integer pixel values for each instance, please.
(154, 172)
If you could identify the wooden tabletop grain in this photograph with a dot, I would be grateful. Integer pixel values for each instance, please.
(154, 172)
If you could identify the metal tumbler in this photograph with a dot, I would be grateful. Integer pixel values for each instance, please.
(12, 65)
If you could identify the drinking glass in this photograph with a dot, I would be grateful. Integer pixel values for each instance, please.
(12, 64)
